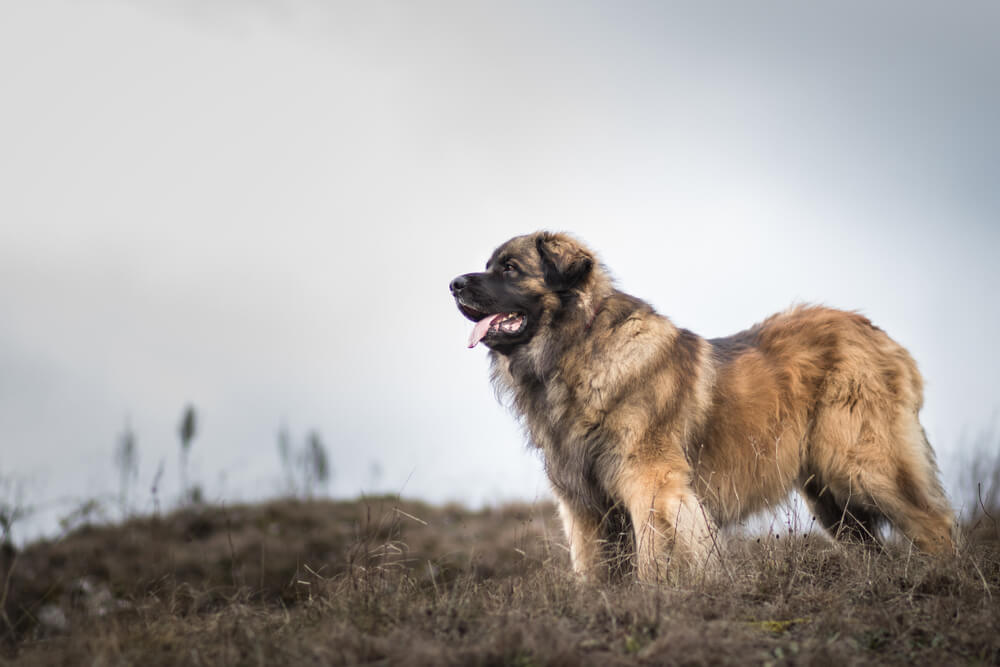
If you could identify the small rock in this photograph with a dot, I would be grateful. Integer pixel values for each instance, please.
(53, 618)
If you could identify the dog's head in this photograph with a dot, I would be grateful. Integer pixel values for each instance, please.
(526, 280)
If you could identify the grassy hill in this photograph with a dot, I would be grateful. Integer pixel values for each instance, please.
(384, 581)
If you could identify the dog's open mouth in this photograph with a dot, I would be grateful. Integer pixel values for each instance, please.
(492, 324)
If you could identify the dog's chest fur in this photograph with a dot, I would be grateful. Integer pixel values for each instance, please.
(580, 457)
(582, 403)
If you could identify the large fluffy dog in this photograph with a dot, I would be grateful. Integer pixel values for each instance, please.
(641, 420)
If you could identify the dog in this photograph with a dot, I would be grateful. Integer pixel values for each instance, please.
(644, 422)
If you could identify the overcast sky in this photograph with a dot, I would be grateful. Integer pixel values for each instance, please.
(257, 207)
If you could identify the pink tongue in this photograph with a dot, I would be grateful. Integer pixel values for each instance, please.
(482, 326)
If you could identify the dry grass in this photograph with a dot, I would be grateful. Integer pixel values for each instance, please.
(387, 582)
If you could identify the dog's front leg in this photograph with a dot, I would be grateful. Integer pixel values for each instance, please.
(673, 534)
(583, 532)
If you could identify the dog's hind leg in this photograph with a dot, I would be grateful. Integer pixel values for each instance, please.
(866, 466)
(843, 518)
(915, 502)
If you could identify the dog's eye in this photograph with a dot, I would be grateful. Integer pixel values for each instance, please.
(509, 268)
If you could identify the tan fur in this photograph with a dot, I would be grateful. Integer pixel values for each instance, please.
(635, 416)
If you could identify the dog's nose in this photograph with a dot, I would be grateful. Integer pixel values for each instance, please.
(458, 284)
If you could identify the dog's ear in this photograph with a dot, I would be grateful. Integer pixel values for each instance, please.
(564, 260)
